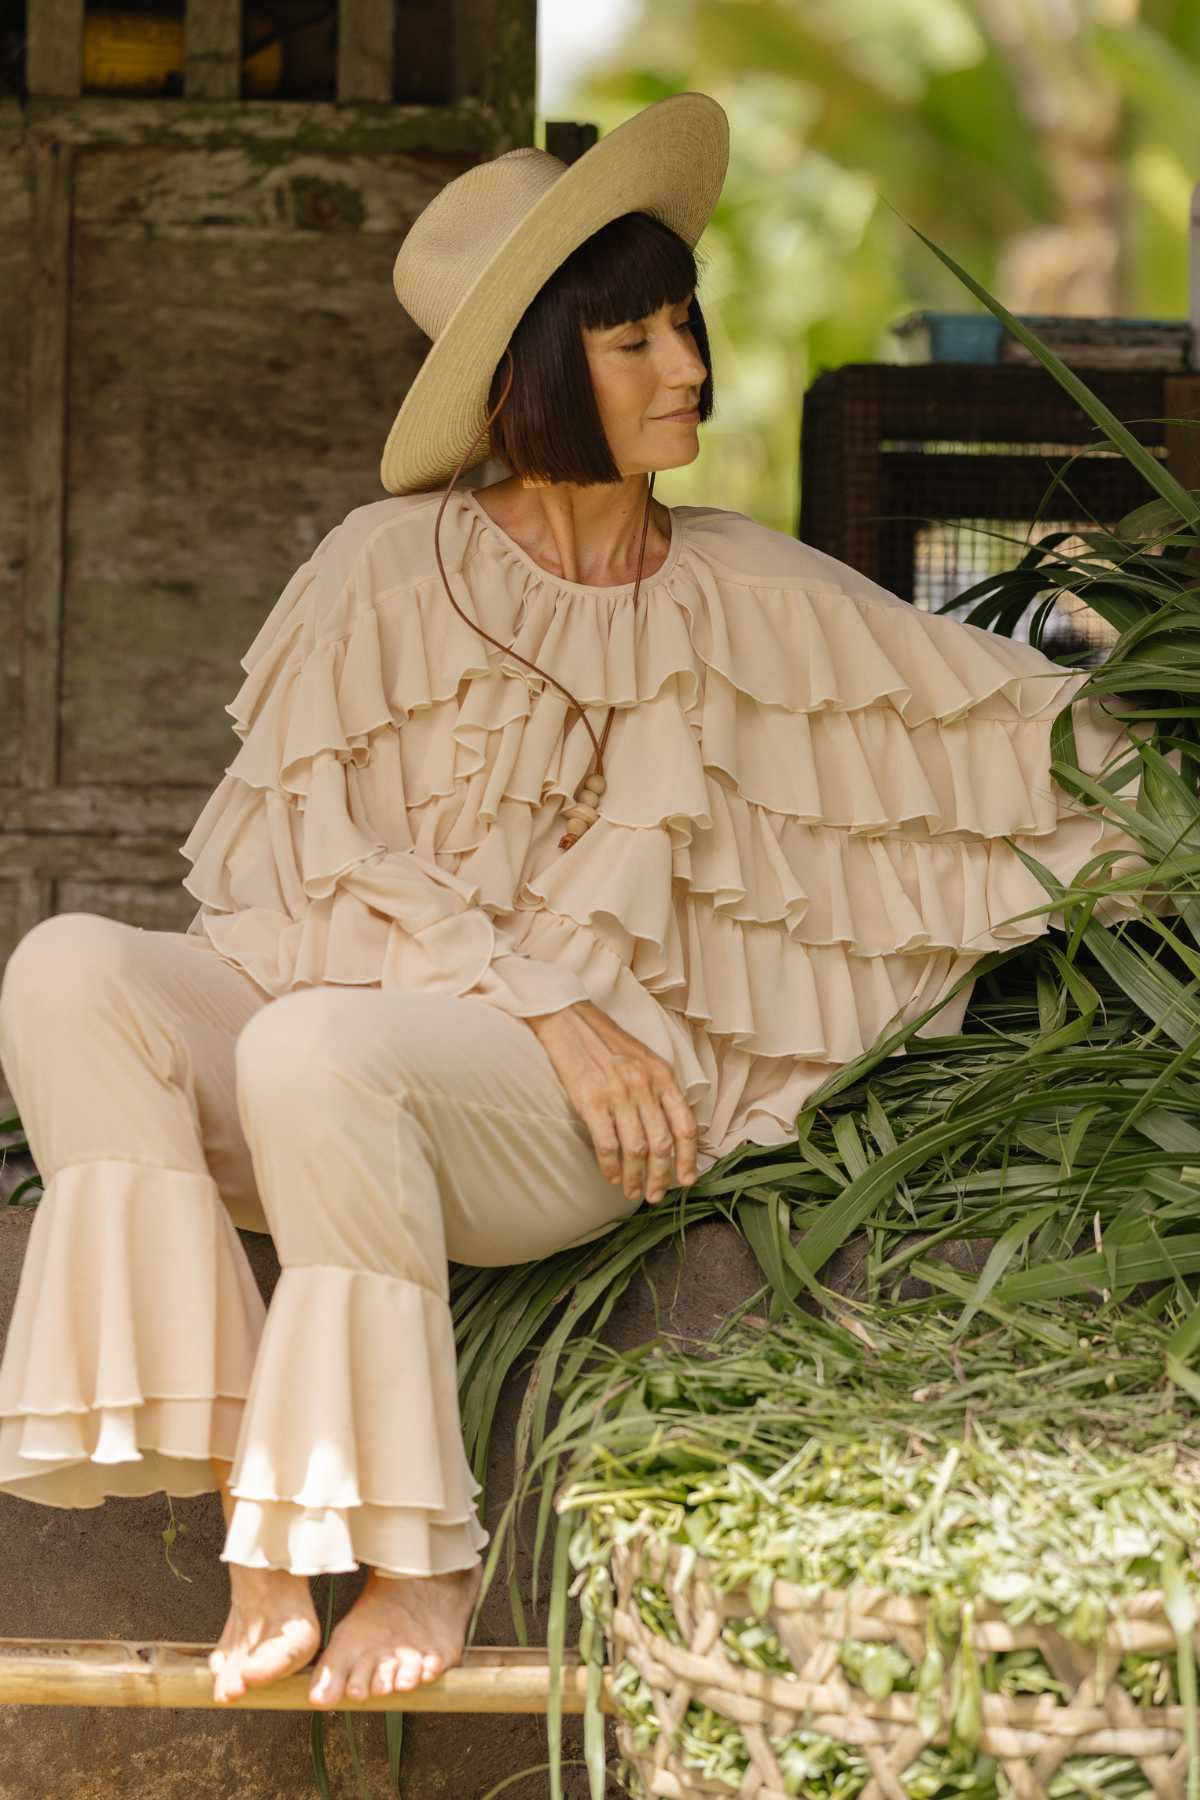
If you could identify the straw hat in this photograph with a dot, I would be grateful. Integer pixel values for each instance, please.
(483, 247)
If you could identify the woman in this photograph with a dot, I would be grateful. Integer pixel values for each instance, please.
(571, 840)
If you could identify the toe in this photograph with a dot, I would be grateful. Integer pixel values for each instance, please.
(229, 1684)
(431, 1666)
(326, 1685)
(408, 1671)
(286, 1649)
(358, 1682)
(384, 1677)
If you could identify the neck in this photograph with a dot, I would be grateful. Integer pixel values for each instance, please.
(586, 534)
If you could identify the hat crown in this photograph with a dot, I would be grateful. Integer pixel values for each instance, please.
(458, 233)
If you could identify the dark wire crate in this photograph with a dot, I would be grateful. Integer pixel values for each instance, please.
(929, 476)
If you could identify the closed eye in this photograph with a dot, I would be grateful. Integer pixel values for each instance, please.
(642, 342)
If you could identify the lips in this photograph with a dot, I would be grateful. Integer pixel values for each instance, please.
(687, 412)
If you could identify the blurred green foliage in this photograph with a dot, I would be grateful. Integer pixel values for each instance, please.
(991, 125)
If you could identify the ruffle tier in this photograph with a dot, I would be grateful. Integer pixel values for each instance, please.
(132, 1343)
(802, 840)
(140, 1349)
(351, 1451)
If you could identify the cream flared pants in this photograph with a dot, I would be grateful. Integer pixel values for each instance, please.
(374, 1133)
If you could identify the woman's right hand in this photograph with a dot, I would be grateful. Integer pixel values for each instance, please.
(626, 1095)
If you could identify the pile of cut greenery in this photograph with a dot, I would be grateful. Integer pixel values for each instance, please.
(1052, 1475)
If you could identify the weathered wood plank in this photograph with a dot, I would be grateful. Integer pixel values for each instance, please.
(16, 307)
(568, 139)
(366, 50)
(154, 905)
(493, 60)
(243, 380)
(22, 904)
(54, 48)
(276, 128)
(468, 48)
(140, 190)
(212, 66)
(107, 807)
(89, 856)
(423, 37)
(124, 876)
(42, 612)
(220, 275)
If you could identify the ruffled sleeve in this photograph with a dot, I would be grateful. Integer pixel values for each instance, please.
(299, 881)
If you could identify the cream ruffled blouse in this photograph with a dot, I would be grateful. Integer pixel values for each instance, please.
(802, 837)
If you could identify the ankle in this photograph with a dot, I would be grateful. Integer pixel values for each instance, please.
(247, 1579)
(451, 1579)
(221, 1472)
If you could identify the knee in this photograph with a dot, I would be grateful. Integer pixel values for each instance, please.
(60, 962)
(293, 1048)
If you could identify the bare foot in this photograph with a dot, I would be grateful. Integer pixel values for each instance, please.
(271, 1630)
(398, 1633)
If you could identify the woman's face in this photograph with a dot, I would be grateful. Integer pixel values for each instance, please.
(641, 372)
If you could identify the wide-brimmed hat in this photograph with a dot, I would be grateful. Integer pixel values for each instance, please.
(480, 251)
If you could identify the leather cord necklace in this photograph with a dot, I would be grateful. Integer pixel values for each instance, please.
(582, 812)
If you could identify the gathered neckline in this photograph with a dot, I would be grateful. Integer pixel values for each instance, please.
(582, 587)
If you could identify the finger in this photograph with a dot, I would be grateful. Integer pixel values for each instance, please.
(607, 1145)
(628, 1120)
(661, 1148)
(682, 1121)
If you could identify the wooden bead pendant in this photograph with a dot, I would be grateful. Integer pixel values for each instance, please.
(582, 811)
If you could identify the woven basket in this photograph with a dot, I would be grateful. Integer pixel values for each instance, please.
(1030, 1736)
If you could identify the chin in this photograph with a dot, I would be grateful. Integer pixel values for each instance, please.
(689, 456)
(686, 455)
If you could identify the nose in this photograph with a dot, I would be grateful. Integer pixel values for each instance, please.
(685, 392)
(690, 377)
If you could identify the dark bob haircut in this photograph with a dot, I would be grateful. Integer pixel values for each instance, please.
(550, 425)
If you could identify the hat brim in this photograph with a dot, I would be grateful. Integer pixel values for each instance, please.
(670, 158)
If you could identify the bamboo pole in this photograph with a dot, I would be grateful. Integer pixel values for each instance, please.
(98, 1672)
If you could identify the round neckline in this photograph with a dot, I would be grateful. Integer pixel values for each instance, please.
(582, 587)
